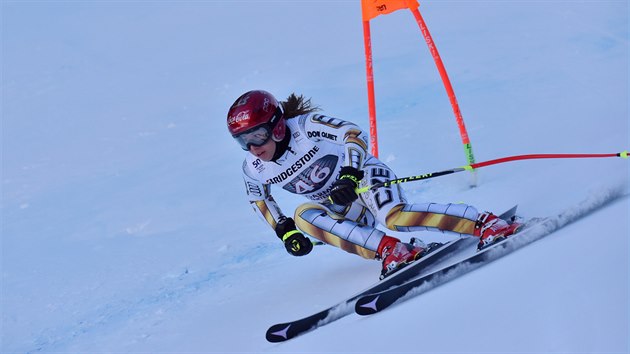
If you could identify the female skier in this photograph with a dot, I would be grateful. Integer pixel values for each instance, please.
(326, 159)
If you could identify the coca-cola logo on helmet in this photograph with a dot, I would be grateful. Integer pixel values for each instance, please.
(241, 116)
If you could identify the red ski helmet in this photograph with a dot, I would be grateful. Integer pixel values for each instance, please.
(254, 118)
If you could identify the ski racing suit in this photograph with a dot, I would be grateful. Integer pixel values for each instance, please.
(319, 147)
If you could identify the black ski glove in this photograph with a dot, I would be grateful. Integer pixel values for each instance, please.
(294, 241)
(343, 190)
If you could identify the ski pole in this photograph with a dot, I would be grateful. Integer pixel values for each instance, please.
(473, 166)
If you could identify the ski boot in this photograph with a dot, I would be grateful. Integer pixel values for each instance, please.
(397, 254)
(491, 229)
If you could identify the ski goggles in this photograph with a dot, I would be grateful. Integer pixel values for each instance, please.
(257, 136)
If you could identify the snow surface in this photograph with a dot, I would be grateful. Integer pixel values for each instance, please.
(124, 223)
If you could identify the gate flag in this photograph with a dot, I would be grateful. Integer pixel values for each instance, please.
(373, 8)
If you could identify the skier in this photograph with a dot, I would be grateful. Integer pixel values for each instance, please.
(326, 159)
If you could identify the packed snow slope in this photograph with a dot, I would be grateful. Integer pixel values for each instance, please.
(125, 227)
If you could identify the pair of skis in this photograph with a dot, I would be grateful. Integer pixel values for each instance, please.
(413, 280)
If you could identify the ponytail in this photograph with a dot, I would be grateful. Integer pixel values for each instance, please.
(297, 105)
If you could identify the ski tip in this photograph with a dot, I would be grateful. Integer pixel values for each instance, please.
(508, 213)
(278, 333)
(367, 305)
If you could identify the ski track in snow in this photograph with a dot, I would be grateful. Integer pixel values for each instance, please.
(166, 297)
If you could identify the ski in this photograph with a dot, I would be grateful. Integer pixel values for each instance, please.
(285, 331)
(533, 230)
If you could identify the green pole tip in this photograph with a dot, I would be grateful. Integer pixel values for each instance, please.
(624, 154)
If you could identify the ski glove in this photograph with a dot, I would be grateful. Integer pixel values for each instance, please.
(294, 241)
(298, 245)
(343, 190)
